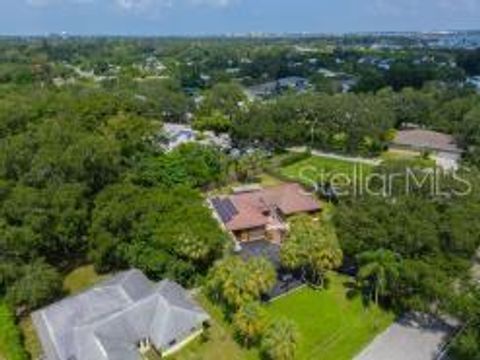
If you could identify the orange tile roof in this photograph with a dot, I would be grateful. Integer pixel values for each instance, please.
(254, 208)
(291, 199)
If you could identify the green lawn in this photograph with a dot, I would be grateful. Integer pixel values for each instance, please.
(316, 168)
(81, 279)
(218, 344)
(409, 158)
(11, 347)
(30, 339)
(331, 326)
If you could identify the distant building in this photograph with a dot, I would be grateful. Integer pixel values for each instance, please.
(474, 81)
(346, 82)
(272, 88)
(327, 73)
(121, 318)
(443, 147)
(178, 134)
(256, 213)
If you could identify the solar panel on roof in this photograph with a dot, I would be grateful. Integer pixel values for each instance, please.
(225, 209)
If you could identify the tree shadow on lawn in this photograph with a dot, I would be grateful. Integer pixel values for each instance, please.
(354, 292)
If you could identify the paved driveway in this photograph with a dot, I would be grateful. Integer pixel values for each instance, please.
(414, 337)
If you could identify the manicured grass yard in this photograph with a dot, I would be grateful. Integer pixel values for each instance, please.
(219, 344)
(316, 168)
(407, 157)
(30, 338)
(331, 326)
(10, 340)
(81, 279)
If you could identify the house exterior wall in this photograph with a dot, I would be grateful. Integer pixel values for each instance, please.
(254, 234)
(178, 346)
(276, 236)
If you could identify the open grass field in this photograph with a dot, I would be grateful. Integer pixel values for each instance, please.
(331, 326)
(317, 168)
(11, 347)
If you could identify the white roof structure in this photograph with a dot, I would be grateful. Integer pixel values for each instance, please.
(109, 321)
(178, 134)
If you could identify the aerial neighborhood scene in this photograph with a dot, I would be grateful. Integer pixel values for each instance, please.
(239, 180)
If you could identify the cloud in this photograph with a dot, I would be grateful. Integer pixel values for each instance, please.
(41, 3)
(141, 5)
(152, 4)
(460, 5)
(413, 7)
(214, 3)
(45, 3)
(395, 7)
(137, 5)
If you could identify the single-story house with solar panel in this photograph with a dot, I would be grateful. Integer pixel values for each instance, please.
(127, 317)
(256, 213)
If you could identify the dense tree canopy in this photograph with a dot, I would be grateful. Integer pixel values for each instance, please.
(350, 123)
(434, 233)
(162, 231)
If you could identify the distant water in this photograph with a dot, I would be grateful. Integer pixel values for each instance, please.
(458, 40)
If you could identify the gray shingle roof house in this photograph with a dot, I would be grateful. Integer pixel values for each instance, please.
(112, 319)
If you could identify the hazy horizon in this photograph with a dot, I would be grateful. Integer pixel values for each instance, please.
(222, 17)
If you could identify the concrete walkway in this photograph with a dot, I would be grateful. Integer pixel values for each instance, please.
(357, 160)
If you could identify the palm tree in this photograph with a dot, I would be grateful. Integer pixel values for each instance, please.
(281, 340)
(311, 246)
(263, 275)
(323, 257)
(237, 287)
(290, 255)
(237, 282)
(249, 322)
(379, 269)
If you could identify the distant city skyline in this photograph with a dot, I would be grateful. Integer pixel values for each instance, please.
(215, 17)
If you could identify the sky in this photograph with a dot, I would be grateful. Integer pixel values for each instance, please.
(208, 17)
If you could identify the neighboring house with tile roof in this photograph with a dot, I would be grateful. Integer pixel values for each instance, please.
(443, 147)
(120, 319)
(261, 213)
